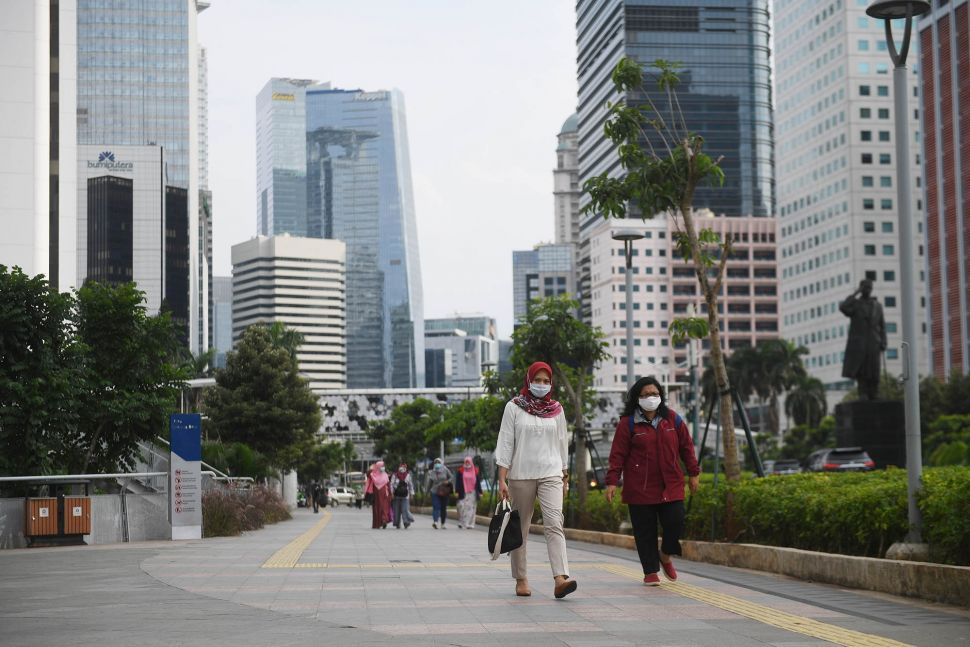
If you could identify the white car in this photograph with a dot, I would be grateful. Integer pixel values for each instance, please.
(341, 495)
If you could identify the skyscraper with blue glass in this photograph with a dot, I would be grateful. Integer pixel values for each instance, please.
(335, 164)
(140, 82)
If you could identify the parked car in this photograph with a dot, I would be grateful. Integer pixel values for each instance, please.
(784, 466)
(843, 459)
(341, 495)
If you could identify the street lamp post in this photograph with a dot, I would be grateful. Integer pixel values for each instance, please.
(887, 11)
(628, 236)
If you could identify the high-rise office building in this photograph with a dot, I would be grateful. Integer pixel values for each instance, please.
(335, 164)
(221, 319)
(38, 185)
(546, 271)
(944, 65)
(301, 282)
(469, 355)
(473, 324)
(565, 182)
(139, 68)
(836, 162)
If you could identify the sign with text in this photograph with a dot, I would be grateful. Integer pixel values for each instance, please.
(185, 477)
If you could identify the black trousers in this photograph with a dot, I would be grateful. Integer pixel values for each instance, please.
(644, 519)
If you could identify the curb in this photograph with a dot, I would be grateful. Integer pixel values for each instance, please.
(924, 580)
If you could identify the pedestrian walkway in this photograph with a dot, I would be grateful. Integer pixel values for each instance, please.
(331, 579)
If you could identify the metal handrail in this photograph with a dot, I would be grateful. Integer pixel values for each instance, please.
(67, 477)
(204, 464)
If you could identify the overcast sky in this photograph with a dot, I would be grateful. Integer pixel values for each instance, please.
(487, 86)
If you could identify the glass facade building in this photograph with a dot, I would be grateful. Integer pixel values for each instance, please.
(546, 271)
(724, 90)
(139, 72)
(335, 164)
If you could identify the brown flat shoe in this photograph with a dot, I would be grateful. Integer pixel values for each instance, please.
(522, 588)
(565, 588)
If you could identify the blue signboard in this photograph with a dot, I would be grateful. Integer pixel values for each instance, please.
(185, 476)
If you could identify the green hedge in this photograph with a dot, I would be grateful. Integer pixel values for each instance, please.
(851, 514)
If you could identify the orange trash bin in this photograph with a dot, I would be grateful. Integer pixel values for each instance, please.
(41, 516)
(77, 515)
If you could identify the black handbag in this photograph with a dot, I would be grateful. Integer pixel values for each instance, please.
(504, 530)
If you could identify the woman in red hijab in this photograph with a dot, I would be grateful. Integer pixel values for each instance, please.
(532, 455)
(380, 485)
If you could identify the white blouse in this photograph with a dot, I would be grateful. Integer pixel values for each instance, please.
(532, 447)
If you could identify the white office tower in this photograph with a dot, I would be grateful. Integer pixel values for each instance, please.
(836, 173)
(301, 282)
(38, 103)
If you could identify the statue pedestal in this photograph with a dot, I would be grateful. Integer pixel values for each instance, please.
(877, 426)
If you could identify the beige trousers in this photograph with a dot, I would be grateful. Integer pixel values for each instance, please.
(549, 491)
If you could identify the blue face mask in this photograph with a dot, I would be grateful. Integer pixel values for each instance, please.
(540, 390)
(437, 467)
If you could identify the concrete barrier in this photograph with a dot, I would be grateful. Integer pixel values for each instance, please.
(924, 580)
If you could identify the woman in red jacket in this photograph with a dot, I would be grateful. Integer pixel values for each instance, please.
(648, 447)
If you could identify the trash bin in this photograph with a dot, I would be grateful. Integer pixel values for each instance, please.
(77, 515)
(41, 517)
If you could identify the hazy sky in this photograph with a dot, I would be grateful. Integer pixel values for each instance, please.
(487, 86)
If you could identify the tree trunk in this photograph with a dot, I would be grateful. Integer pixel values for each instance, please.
(732, 468)
(575, 394)
(94, 442)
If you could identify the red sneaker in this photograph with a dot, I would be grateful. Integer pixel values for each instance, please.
(669, 570)
(651, 580)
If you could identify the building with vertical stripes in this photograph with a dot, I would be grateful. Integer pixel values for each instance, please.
(944, 62)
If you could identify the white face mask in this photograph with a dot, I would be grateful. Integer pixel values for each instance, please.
(540, 390)
(650, 403)
(383, 469)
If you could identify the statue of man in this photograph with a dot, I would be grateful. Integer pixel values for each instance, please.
(867, 340)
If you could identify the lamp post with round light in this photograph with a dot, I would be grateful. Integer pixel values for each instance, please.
(628, 236)
(888, 11)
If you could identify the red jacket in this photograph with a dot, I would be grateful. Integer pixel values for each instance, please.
(649, 460)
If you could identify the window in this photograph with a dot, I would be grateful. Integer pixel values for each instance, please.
(887, 227)
(892, 353)
(871, 275)
(863, 46)
(865, 135)
(888, 250)
(884, 135)
(869, 227)
(885, 181)
(867, 158)
(863, 67)
(882, 90)
(882, 68)
(885, 158)
(891, 326)
(864, 91)
(862, 22)
(868, 204)
(865, 113)
(890, 302)
(869, 250)
(884, 113)
(886, 204)
(867, 181)
(889, 276)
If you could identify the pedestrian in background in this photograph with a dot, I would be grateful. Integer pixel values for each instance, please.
(468, 486)
(650, 442)
(402, 487)
(378, 485)
(533, 463)
(440, 485)
(314, 492)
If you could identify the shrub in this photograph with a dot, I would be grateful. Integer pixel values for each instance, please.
(945, 503)
(226, 513)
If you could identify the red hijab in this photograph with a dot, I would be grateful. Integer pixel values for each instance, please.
(544, 407)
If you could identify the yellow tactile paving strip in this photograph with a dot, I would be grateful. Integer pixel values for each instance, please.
(289, 555)
(766, 615)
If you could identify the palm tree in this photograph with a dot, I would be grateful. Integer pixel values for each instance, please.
(782, 367)
(805, 402)
(286, 338)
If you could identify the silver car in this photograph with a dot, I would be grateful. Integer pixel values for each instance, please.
(341, 495)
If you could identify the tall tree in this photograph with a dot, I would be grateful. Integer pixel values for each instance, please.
(412, 432)
(663, 164)
(132, 376)
(40, 368)
(261, 400)
(552, 334)
(285, 337)
(805, 401)
(783, 369)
